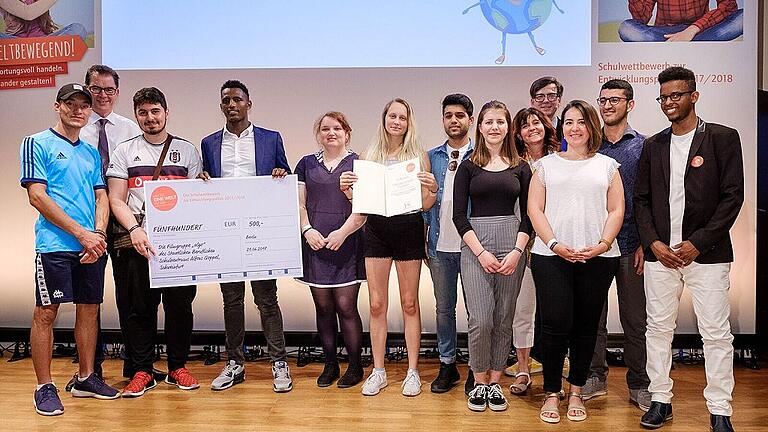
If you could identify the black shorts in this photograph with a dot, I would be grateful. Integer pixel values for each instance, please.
(398, 237)
(61, 278)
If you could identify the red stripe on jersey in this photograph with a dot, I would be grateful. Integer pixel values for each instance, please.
(138, 181)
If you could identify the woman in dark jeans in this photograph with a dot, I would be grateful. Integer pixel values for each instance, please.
(576, 206)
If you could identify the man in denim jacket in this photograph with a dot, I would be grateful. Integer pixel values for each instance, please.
(443, 241)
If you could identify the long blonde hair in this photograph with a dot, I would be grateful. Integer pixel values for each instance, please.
(377, 150)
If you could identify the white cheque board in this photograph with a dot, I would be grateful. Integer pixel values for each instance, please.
(223, 230)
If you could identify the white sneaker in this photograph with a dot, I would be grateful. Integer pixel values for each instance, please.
(412, 383)
(282, 381)
(374, 383)
(232, 374)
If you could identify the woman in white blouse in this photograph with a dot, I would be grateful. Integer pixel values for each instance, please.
(576, 206)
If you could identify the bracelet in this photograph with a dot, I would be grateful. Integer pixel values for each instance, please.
(133, 228)
(552, 245)
(435, 192)
(100, 232)
(605, 242)
(517, 249)
(478, 255)
(305, 228)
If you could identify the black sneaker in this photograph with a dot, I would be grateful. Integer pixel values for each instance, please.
(720, 423)
(71, 383)
(329, 375)
(446, 379)
(351, 377)
(496, 399)
(95, 387)
(656, 415)
(478, 400)
(96, 370)
(470, 384)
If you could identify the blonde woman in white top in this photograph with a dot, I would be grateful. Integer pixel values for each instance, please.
(576, 205)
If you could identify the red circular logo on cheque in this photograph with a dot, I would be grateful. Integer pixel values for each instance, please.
(411, 166)
(164, 198)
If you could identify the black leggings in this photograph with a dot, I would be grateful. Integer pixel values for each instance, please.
(330, 302)
(570, 297)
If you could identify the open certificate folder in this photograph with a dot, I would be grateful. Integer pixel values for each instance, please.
(386, 190)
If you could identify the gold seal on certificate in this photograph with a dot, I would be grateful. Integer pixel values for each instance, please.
(386, 190)
(223, 230)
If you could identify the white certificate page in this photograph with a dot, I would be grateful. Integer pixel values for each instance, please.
(223, 230)
(386, 190)
(403, 188)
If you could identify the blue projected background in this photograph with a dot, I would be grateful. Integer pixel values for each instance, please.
(198, 34)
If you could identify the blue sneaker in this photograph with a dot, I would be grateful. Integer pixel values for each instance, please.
(94, 386)
(47, 401)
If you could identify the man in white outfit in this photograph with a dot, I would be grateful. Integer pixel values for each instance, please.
(688, 193)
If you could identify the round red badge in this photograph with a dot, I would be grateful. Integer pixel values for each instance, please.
(697, 161)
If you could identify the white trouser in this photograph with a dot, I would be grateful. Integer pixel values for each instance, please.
(708, 285)
(525, 313)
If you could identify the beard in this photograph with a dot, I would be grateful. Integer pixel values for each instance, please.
(458, 135)
(614, 121)
(154, 129)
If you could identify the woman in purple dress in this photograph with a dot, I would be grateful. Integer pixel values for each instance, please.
(333, 250)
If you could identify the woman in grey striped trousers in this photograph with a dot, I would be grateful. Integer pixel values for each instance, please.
(493, 178)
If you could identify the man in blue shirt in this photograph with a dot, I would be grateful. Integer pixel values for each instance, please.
(624, 144)
(63, 178)
(443, 240)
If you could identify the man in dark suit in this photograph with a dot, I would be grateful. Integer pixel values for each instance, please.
(688, 193)
(242, 149)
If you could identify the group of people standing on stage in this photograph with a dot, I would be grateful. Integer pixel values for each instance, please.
(574, 203)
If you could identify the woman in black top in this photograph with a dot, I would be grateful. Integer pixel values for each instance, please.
(494, 238)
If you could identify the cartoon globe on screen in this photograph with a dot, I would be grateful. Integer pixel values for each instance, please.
(516, 17)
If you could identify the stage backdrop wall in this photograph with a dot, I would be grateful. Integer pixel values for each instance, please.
(289, 100)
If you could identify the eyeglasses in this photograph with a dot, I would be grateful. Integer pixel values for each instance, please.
(454, 163)
(550, 97)
(613, 101)
(674, 97)
(107, 90)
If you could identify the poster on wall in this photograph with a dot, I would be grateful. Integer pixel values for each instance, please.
(717, 40)
(38, 39)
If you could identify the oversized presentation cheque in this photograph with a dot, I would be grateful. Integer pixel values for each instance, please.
(386, 190)
(223, 230)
